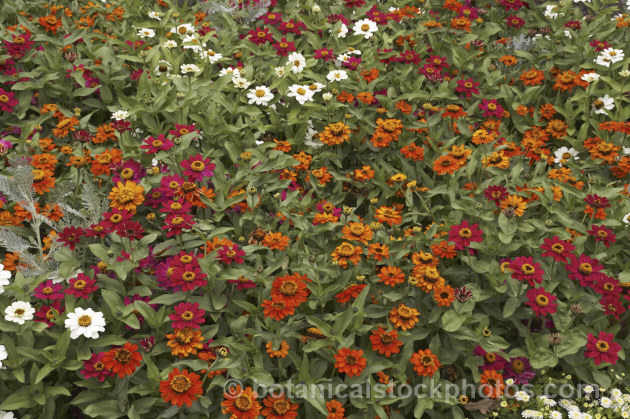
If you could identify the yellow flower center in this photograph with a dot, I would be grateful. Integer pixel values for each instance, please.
(85, 320)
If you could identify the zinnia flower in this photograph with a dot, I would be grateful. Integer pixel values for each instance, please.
(181, 388)
(94, 367)
(541, 301)
(123, 360)
(425, 363)
(187, 315)
(86, 322)
(350, 361)
(465, 233)
(602, 348)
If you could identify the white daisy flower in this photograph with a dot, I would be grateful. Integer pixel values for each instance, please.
(211, 56)
(551, 11)
(5, 277)
(170, 44)
(353, 51)
(316, 87)
(86, 322)
(191, 42)
(603, 103)
(343, 31)
(297, 62)
(3, 354)
(19, 312)
(189, 68)
(301, 93)
(590, 77)
(118, 115)
(183, 30)
(146, 33)
(605, 402)
(554, 414)
(6, 415)
(609, 56)
(563, 154)
(163, 67)
(260, 95)
(522, 396)
(337, 75)
(342, 58)
(365, 27)
(155, 15)
(240, 82)
(234, 72)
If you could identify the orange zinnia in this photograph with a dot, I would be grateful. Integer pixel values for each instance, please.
(516, 202)
(334, 134)
(181, 388)
(384, 342)
(378, 251)
(350, 361)
(44, 161)
(388, 215)
(404, 317)
(276, 241)
(281, 352)
(491, 384)
(123, 361)
(446, 164)
(532, 77)
(277, 309)
(357, 231)
(565, 81)
(347, 252)
(335, 410)
(290, 289)
(185, 341)
(241, 404)
(279, 406)
(43, 181)
(127, 196)
(391, 275)
(425, 363)
(444, 295)
(365, 173)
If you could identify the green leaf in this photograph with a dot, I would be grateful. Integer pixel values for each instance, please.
(451, 322)
(20, 399)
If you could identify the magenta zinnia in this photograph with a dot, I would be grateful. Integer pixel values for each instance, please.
(558, 249)
(196, 167)
(231, 254)
(464, 233)
(81, 286)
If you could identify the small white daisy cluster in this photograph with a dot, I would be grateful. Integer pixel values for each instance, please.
(605, 404)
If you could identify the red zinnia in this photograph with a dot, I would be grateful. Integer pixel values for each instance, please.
(558, 249)
(228, 254)
(7, 102)
(602, 348)
(584, 268)
(94, 367)
(524, 268)
(603, 234)
(70, 236)
(541, 301)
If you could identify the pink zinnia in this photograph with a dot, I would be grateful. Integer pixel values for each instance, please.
(541, 301)
(229, 254)
(94, 367)
(81, 286)
(524, 268)
(48, 314)
(153, 145)
(7, 101)
(558, 249)
(49, 291)
(283, 47)
(468, 87)
(603, 234)
(607, 285)
(464, 233)
(491, 108)
(187, 315)
(324, 53)
(602, 348)
(196, 167)
(612, 306)
(176, 222)
(260, 36)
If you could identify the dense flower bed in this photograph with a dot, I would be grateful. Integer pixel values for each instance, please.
(200, 200)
